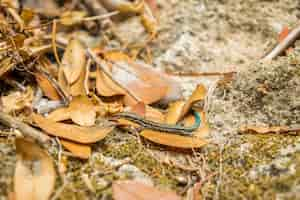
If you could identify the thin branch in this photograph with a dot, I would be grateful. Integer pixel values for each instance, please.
(282, 46)
(26, 130)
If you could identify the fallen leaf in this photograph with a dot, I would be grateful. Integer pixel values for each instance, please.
(174, 112)
(17, 100)
(198, 95)
(106, 87)
(283, 34)
(84, 135)
(203, 129)
(6, 64)
(35, 175)
(63, 81)
(170, 90)
(196, 191)
(139, 109)
(173, 140)
(116, 56)
(46, 86)
(146, 84)
(73, 61)
(126, 123)
(132, 190)
(27, 15)
(79, 150)
(78, 87)
(69, 18)
(60, 114)
(82, 111)
(154, 114)
(123, 6)
(148, 112)
(269, 129)
(153, 5)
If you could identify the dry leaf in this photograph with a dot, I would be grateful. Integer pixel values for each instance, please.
(198, 95)
(268, 129)
(78, 150)
(84, 135)
(132, 190)
(173, 140)
(78, 88)
(146, 90)
(17, 100)
(123, 6)
(34, 174)
(283, 34)
(73, 61)
(6, 64)
(203, 129)
(179, 109)
(139, 109)
(60, 114)
(153, 5)
(106, 87)
(82, 111)
(116, 56)
(174, 112)
(69, 18)
(63, 81)
(148, 84)
(154, 114)
(126, 123)
(46, 86)
(148, 112)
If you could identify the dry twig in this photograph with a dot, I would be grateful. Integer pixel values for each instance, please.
(27, 130)
(282, 46)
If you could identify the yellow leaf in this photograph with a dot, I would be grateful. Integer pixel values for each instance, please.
(60, 114)
(106, 87)
(174, 112)
(154, 114)
(116, 56)
(17, 100)
(82, 111)
(34, 173)
(203, 129)
(84, 135)
(78, 88)
(264, 129)
(46, 86)
(63, 81)
(73, 61)
(79, 150)
(6, 64)
(198, 95)
(173, 140)
(69, 18)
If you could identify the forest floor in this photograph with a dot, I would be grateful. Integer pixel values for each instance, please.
(207, 36)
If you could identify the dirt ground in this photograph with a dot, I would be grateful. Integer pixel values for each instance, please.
(207, 36)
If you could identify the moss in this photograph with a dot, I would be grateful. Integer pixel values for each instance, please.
(162, 175)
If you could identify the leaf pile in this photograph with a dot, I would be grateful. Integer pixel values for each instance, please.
(60, 78)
